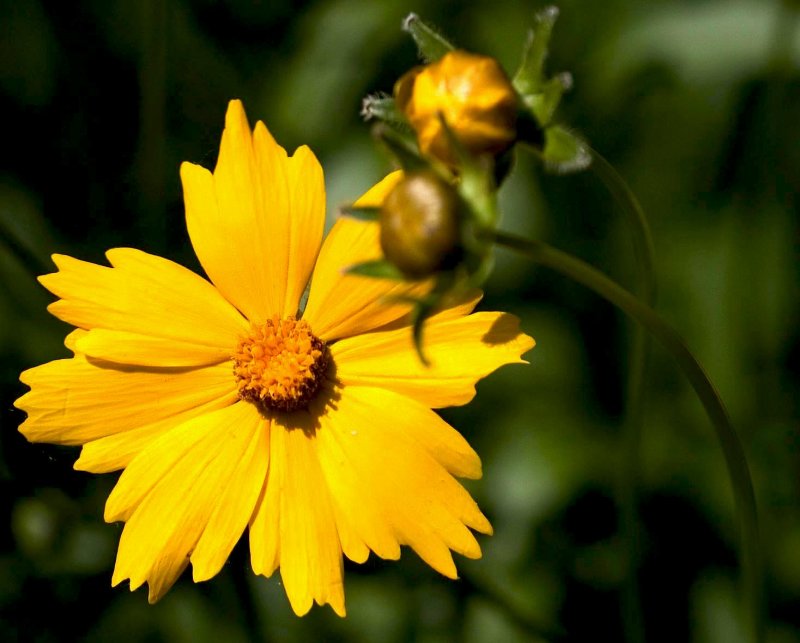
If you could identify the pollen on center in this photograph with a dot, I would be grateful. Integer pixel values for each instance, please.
(280, 365)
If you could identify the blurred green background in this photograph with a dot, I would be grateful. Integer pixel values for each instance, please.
(697, 103)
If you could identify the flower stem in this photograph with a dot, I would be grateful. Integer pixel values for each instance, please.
(738, 471)
(632, 614)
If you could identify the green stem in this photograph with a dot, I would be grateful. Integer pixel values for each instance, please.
(632, 613)
(643, 239)
(738, 471)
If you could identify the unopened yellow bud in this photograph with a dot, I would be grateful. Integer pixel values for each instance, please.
(471, 92)
(420, 221)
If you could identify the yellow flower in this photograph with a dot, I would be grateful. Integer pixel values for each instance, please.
(473, 94)
(226, 409)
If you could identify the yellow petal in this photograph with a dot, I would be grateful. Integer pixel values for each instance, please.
(256, 223)
(145, 350)
(353, 546)
(115, 452)
(305, 225)
(424, 505)
(341, 305)
(310, 552)
(74, 401)
(460, 351)
(234, 506)
(143, 294)
(71, 340)
(265, 523)
(360, 517)
(181, 479)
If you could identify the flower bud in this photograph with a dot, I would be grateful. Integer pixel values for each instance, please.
(474, 96)
(420, 220)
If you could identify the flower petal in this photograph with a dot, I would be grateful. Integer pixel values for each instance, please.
(423, 504)
(114, 452)
(172, 496)
(341, 305)
(256, 223)
(305, 225)
(460, 350)
(74, 401)
(143, 294)
(265, 524)
(360, 516)
(310, 553)
(234, 507)
(145, 350)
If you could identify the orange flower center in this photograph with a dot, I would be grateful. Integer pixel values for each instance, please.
(280, 365)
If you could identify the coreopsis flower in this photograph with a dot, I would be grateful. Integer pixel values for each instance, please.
(472, 93)
(227, 408)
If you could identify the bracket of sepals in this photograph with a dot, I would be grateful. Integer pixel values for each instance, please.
(560, 149)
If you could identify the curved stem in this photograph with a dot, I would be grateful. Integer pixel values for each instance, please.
(736, 463)
(637, 222)
(628, 497)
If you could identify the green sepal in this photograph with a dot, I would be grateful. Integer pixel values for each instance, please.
(564, 152)
(381, 107)
(529, 78)
(360, 213)
(477, 186)
(420, 313)
(544, 103)
(466, 162)
(431, 44)
(377, 269)
(425, 307)
(401, 147)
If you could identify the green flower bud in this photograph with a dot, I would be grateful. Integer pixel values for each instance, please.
(420, 225)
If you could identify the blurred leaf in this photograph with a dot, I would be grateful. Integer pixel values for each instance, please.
(23, 230)
(342, 38)
(28, 53)
(718, 41)
(35, 526)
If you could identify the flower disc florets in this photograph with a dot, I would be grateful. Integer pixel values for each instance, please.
(280, 365)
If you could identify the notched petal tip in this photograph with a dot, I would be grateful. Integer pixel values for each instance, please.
(301, 608)
(339, 610)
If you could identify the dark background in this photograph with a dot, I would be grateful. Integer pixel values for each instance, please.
(696, 103)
